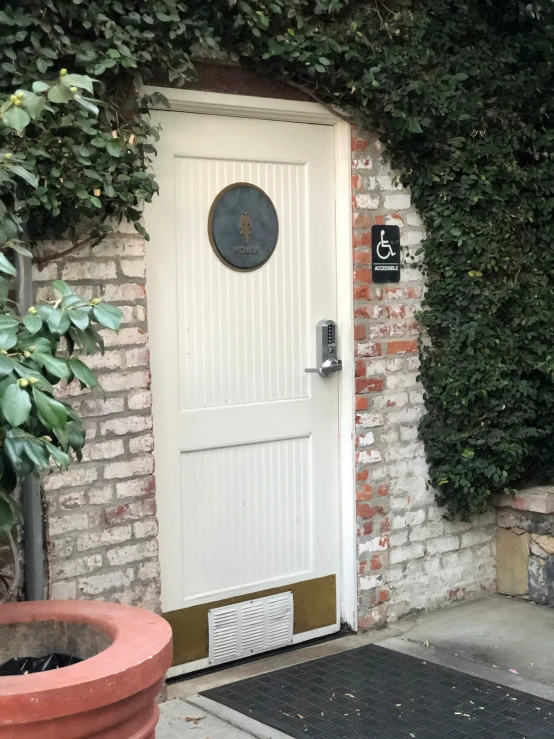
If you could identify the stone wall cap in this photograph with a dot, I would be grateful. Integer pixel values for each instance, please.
(538, 499)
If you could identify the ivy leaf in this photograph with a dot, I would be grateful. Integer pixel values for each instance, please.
(59, 94)
(54, 365)
(33, 324)
(59, 456)
(24, 173)
(78, 80)
(79, 318)
(51, 412)
(108, 315)
(62, 287)
(6, 266)
(16, 405)
(83, 373)
(6, 365)
(16, 118)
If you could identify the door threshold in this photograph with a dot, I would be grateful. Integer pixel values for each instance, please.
(207, 671)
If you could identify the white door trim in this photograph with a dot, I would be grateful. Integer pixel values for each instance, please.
(245, 106)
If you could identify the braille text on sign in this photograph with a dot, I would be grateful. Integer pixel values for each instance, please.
(243, 226)
(385, 253)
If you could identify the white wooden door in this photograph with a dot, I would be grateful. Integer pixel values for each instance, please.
(246, 443)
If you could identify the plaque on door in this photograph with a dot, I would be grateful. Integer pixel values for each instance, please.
(243, 226)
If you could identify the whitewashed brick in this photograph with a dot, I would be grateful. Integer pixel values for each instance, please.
(139, 401)
(132, 553)
(397, 202)
(126, 337)
(64, 590)
(93, 270)
(99, 496)
(102, 406)
(103, 450)
(368, 202)
(366, 439)
(73, 477)
(96, 584)
(107, 537)
(71, 500)
(146, 528)
(427, 531)
(408, 553)
(138, 466)
(371, 457)
(370, 420)
(480, 536)
(443, 544)
(141, 444)
(149, 571)
(73, 567)
(125, 425)
(364, 163)
(65, 524)
(133, 267)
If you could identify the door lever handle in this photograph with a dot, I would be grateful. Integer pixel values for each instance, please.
(328, 368)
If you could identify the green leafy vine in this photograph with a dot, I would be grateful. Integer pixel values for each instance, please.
(460, 94)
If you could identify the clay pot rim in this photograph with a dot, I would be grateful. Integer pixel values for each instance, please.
(139, 656)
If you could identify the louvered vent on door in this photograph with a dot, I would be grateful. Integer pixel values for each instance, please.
(250, 628)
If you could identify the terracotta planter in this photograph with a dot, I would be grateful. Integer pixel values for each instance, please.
(111, 695)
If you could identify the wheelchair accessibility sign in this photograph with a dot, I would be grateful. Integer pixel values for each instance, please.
(385, 253)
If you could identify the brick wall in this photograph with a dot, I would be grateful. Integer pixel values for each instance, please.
(102, 528)
(409, 558)
(101, 514)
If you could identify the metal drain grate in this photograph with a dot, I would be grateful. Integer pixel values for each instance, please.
(373, 692)
(249, 628)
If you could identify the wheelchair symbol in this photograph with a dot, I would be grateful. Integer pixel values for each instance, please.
(385, 249)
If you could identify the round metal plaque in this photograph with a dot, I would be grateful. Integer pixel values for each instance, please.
(243, 226)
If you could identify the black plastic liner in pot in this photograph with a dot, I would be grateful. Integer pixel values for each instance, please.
(29, 665)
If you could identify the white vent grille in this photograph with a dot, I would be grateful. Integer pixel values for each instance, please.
(250, 628)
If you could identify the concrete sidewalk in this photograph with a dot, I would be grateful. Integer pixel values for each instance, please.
(507, 641)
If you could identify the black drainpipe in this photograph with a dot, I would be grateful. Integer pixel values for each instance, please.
(30, 486)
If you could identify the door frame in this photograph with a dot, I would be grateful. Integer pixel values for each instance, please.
(245, 106)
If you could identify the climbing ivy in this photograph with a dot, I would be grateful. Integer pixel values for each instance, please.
(461, 95)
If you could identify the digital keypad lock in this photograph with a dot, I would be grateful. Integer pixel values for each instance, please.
(326, 350)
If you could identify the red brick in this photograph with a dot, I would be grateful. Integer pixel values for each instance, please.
(384, 528)
(366, 529)
(357, 182)
(361, 220)
(362, 312)
(362, 475)
(412, 292)
(362, 238)
(364, 492)
(358, 143)
(362, 256)
(362, 275)
(361, 292)
(379, 220)
(360, 368)
(369, 385)
(366, 511)
(393, 293)
(376, 563)
(359, 332)
(362, 404)
(383, 596)
(382, 490)
(402, 347)
(396, 311)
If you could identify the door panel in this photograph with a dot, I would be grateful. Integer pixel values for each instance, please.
(246, 442)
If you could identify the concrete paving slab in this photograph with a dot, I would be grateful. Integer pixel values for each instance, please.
(182, 720)
(498, 631)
